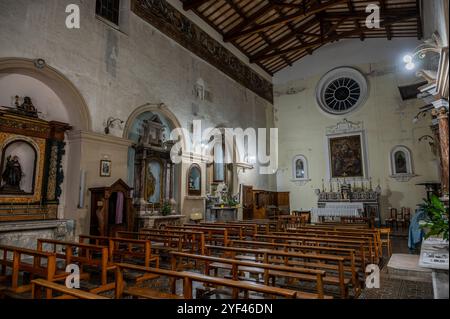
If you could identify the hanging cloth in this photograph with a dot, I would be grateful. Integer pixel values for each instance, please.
(119, 208)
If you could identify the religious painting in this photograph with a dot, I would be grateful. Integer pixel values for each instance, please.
(105, 168)
(153, 181)
(346, 156)
(194, 180)
(400, 163)
(299, 168)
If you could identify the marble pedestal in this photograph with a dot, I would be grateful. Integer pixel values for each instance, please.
(406, 267)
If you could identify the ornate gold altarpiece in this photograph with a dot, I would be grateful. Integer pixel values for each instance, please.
(47, 140)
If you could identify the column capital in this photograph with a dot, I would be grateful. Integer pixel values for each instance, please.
(441, 103)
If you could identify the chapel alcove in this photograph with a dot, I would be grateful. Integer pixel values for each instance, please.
(155, 178)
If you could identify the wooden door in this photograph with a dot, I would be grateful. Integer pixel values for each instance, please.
(247, 202)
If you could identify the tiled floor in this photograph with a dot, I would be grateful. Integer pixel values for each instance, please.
(393, 288)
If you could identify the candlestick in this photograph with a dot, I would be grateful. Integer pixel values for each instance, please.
(323, 185)
(370, 184)
(331, 186)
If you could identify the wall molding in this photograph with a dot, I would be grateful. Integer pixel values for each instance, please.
(175, 25)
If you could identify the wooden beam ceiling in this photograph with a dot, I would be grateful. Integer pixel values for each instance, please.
(275, 33)
(302, 13)
(329, 39)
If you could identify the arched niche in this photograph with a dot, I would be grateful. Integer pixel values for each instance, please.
(401, 164)
(57, 99)
(19, 160)
(194, 180)
(74, 103)
(167, 121)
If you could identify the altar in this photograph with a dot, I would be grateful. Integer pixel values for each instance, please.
(350, 201)
(221, 214)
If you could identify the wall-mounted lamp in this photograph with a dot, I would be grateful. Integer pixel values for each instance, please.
(422, 113)
(432, 45)
(110, 123)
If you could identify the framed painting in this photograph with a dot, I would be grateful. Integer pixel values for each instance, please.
(346, 156)
(105, 168)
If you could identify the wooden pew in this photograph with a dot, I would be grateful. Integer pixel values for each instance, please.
(235, 231)
(235, 266)
(371, 248)
(213, 235)
(42, 264)
(124, 248)
(358, 245)
(247, 230)
(194, 241)
(346, 253)
(374, 236)
(332, 265)
(263, 226)
(67, 293)
(188, 278)
(87, 255)
(160, 242)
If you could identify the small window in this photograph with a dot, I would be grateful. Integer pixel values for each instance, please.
(109, 10)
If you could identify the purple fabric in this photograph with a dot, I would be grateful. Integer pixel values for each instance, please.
(119, 208)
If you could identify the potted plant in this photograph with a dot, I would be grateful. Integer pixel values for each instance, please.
(436, 223)
(166, 208)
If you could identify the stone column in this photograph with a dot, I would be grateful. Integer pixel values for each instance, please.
(442, 115)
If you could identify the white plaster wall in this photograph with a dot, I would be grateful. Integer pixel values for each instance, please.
(49, 105)
(387, 121)
(435, 18)
(118, 70)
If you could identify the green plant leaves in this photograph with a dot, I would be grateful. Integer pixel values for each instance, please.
(437, 221)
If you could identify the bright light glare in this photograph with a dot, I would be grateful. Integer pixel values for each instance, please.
(410, 66)
(407, 58)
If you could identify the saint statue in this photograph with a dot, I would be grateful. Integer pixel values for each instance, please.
(150, 184)
(12, 174)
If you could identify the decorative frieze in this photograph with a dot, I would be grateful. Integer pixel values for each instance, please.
(171, 22)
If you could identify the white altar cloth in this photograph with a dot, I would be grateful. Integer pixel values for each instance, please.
(333, 212)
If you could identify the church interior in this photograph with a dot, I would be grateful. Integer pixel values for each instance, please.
(224, 149)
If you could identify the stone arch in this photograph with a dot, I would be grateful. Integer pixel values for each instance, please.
(149, 107)
(71, 97)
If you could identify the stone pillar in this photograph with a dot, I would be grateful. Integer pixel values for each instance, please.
(442, 115)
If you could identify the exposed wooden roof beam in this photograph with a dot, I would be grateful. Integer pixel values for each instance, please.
(307, 34)
(193, 4)
(362, 15)
(355, 22)
(419, 21)
(283, 40)
(329, 39)
(388, 28)
(248, 21)
(261, 34)
(237, 33)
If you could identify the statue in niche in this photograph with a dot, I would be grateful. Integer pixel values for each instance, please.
(150, 187)
(12, 175)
